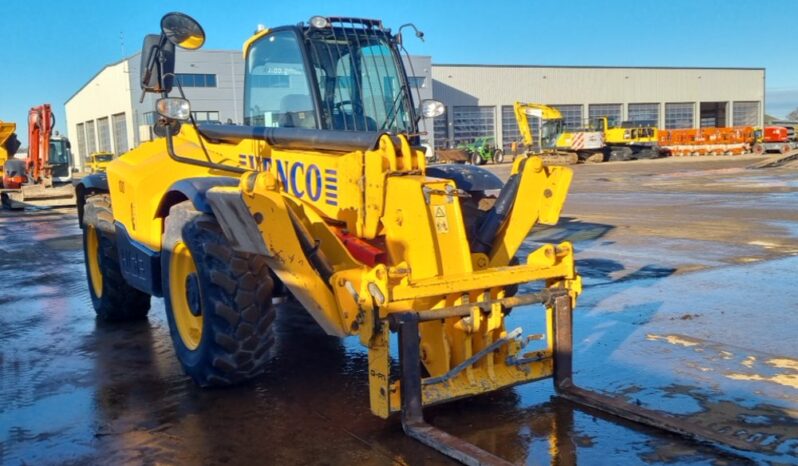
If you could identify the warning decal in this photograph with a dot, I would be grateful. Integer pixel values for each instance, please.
(441, 220)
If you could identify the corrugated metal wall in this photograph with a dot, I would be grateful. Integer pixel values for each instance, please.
(481, 85)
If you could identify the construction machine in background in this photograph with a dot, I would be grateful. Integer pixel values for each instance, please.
(482, 150)
(707, 141)
(44, 178)
(332, 203)
(98, 161)
(9, 144)
(556, 144)
(775, 139)
(630, 141)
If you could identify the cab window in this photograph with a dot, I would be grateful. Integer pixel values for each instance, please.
(276, 92)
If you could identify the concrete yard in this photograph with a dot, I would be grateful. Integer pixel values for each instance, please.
(689, 307)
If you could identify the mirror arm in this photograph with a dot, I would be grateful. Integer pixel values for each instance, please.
(170, 149)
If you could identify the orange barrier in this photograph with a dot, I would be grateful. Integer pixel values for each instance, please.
(707, 141)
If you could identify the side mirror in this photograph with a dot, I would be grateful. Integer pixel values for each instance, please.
(431, 108)
(182, 30)
(155, 78)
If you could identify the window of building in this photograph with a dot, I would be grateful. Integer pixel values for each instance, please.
(417, 82)
(103, 135)
(274, 81)
(511, 133)
(646, 114)
(712, 114)
(205, 116)
(611, 111)
(81, 141)
(440, 128)
(91, 139)
(745, 114)
(679, 115)
(572, 114)
(472, 122)
(120, 133)
(196, 79)
(149, 118)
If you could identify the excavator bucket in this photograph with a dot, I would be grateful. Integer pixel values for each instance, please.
(9, 144)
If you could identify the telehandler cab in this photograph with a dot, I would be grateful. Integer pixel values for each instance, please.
(324, 193)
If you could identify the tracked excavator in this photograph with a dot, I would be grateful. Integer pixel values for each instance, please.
(629, 141)
(43, 179)
(556, 143)
(324, 194)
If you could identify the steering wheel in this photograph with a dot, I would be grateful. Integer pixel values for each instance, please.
(357, 109)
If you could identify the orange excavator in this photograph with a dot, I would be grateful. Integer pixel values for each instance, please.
(32, 182)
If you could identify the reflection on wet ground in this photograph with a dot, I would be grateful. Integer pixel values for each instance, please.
(672, 318)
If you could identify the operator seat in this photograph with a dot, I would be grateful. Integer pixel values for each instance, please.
(345, 121)
(297, 112)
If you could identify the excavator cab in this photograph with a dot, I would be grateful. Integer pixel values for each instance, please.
(60, 159)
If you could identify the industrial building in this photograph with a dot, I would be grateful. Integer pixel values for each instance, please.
(479, 98)
(106, 114)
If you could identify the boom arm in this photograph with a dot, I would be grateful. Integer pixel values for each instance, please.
(522, 110)
(40, 127)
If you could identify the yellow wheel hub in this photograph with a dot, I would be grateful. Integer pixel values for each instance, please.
(93, 258)
(184, 295)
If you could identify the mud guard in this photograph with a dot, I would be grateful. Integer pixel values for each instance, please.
(94, 183)
(194, 190)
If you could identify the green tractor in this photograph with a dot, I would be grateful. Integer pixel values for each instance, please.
(481, 150)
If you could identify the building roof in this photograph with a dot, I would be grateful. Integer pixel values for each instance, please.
(128, 58)
(488, 65)
(97, 74)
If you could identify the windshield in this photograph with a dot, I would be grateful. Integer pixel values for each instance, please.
(359, 81)
(103, 157)
(549, 132)
(59, 154)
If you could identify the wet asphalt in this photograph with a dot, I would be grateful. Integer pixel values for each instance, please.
(689, 307)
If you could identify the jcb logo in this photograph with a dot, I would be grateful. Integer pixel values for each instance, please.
(300, 179)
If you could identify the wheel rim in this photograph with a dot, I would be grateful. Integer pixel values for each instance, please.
(93, 260)
(184, 296)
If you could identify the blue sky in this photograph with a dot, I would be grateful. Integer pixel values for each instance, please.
(49, 49)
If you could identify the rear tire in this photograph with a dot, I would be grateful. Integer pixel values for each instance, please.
(113, 299)
(218, 301)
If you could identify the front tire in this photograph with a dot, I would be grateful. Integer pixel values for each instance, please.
(218, 301)
(498, 156)
(111, 296)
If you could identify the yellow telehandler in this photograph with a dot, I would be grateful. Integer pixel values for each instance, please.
(324, 194)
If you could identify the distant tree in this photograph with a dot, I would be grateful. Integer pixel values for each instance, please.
(793, 115)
